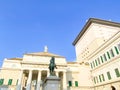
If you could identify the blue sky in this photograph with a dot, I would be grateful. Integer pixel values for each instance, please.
(26, 26)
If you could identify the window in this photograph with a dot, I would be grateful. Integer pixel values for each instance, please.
(93, 63)
(108, 55)
(96, 63)
(105, 58)
(94, 80)
(10, 82)
(101, 59)
(116, 49)
(109, 76)
(1, 81)
(76, 83)
(70, 83)
(97, 79)
(17, 82)
(103, 77)
(117, 72)
(98, 60)
(100, 78)
(112, 53)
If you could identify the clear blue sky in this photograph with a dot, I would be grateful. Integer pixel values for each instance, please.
(26, 26)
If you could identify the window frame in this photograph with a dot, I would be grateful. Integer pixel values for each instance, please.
(70, 83)
(112, 53)
(1, 81)
(117, 72)
(76, 83)
(116, 49)
(109, 75)
(10, 81)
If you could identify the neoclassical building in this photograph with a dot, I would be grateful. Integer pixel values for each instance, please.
(29, 72)
(97, 65)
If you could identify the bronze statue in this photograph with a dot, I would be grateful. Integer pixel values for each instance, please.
(52, 65)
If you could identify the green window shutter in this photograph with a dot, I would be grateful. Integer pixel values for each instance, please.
(103, 78)
(105, 58)
(109, 76)
(117, 72)
(101, 59)
(1, 81)
(96, 62)
(112, 53)
(116, 49)
(10, 82)
(93, 63)
(100, 78)
(108, 55)
(17, 82)
(94, 80)
(70, 83)
(76, 83)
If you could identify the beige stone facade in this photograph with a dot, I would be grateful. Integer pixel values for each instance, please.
(99, 45)
(97, 65)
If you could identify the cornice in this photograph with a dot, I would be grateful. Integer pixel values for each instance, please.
(94, 20)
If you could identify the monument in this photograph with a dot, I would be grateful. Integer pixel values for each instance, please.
(52, 81)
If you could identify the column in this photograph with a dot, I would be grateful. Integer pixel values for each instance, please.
(19, 85)
(38, 80)
(64, 81)
(28, 87)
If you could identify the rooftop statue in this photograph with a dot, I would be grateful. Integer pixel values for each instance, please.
(52, 66)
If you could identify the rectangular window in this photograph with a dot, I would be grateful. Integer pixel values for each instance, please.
(94, 80)
(105, 58)
(10, 82)
(17, 82)
(76, 83)
(70, 83)
(112, 53)
(108, 55)
(100, 78)
(96, 63)
(109, 76)
(1, 81)
(116, 49)
(93, 63)
(103, 78)
(117, 72)
(101, 59)
(98, 60)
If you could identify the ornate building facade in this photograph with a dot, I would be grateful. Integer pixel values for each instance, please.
(97, 65)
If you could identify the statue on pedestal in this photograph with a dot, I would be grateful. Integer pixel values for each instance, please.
(52, 66)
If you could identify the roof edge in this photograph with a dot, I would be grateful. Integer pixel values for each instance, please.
(94, 20)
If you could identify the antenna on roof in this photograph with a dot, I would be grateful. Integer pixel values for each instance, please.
(45, 49)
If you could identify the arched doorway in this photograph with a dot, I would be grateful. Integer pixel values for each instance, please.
(113, 88)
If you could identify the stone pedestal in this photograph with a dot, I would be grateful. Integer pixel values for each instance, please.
(51, 83)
